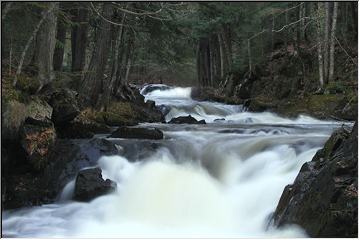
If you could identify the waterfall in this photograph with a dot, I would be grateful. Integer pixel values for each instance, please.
(222, 179)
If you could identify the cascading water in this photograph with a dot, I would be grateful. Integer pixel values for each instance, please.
(222, 179)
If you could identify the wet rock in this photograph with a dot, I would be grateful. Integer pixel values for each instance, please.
(65, 105)
(324, 196)
(204, 94)
(23, 190)
(26, 187)
(261, 103)
(150, 104)
(146, 114)
(81, 127)
(89, 184)
(186, 119)
(153, 87)
(219, 119)
(37, 137)
(141, 133)
(69, 156)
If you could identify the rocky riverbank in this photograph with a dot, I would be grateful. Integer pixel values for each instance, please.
(47, 139)
(286, 85)
(323, 199)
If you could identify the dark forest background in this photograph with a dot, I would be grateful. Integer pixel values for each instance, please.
(96, 47)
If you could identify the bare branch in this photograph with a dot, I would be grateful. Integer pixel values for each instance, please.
(290, 24)
(105, 19)
(145, 13)
(289, 9)
(352, 60)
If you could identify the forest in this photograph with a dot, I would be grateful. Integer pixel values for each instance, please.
(101, 98)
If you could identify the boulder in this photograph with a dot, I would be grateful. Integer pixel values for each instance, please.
(81, 127)
(150, 104)
(203, 93)
(37, 137)
(186, 119)
(65, 105)
(13, 116)
(244, 87)
(22, 186)
(89, 184)
(39, 109)
(152, 87)
(261, 103)
(141, 133)
(323, 199)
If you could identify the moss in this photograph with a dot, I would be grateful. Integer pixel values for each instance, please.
(262, 103)
(335, 87)
(118, 113)
(10, 93)
(28, 84)
(323, 102)
(320, 106)
(13, 116)
(334, 142)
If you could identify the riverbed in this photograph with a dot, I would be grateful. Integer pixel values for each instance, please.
(220, 179)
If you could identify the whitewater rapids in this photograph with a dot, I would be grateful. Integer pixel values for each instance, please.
(222, 179)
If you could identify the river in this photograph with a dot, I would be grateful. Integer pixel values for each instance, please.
(221, 179)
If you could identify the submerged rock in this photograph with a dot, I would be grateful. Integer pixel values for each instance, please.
(142, 133)
(89, 184)
(186, 119)
(324, 196)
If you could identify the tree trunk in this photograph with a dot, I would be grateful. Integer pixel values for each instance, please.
(215, 59)
(92, 85)
(79, 37)
(228, 46)
(45, 46)
(354, 7)
(221, 48)
(302, 22)
(130, 47)
(326, 41)
(332, 42)
(45, 15)
(249, 55)
(5, 10)
(203, 62)
(272, 33)
(319, 48)
(59, 48)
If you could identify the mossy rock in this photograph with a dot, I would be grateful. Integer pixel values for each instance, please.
(320, 106)
(335, 88)
(10, 93)
(118, 114)
(39, 109)
(13, 116)
(334, 142)
(262, 103)
(324, 105)
(28, 84)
